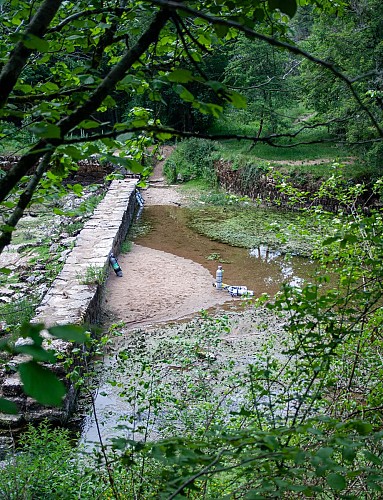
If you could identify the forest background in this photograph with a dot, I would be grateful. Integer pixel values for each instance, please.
(295, 80)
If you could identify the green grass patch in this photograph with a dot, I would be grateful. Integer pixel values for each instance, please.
(92, 275)
(17, 312)
(232, 148)
(192, 159)
(288, 232)
(126, 246)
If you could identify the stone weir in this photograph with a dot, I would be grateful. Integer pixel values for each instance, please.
(74, 298)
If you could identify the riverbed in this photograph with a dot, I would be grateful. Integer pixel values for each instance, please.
(155, 309)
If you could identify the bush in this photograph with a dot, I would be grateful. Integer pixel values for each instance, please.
(46, 465)
(192, 159)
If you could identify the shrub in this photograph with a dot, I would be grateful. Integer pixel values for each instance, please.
(46, 465)
(192, 159)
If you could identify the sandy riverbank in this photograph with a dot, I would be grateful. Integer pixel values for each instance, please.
(156, 286)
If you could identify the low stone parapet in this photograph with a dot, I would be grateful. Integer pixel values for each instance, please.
(75, 295)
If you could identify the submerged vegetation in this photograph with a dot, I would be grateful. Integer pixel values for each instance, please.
(250, 227)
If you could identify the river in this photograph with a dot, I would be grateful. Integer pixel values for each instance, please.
(168, 278)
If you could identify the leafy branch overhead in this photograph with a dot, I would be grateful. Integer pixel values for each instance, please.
(77, 72)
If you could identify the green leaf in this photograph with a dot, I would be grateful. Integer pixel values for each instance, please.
(350, 238)
(325, 452)
(349, 453)
(32, 330)
(330, 240)
(5, 228)
(134, 166)
(72, 151)
(37, 352)
(184, 94)
(210, 109)
(139, 123)
(73, 333)
(35, 43)
(142, 184)
(363, 428)
(336, 481)
(221, 30)
(288, 7)
(237, 100)
(5, 270)
(216, 86)
(372, 457)
(89, 80)
(164, 136)
(180, 76)
(119, 443)
(77, 189)
(41, 384)
(46, 130)
(129, 163)
(8, 407)
(259, 14)
(89, 124)
(8, 204)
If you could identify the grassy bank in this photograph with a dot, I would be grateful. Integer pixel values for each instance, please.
(239, 222)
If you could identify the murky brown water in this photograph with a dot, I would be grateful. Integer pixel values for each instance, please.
(261, 270)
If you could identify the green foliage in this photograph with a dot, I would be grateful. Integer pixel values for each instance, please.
(38, 381)
(46, 465)
(126, 246)
(88, 205)
(92, 275)
(374, 160)
(297, 424)
(357, 51)
(259, 69)
(76, 84)
(210, 416)
(192, 159)
(12, 138)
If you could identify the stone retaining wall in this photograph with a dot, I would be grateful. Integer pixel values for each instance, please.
(73, 298)
(89, 171)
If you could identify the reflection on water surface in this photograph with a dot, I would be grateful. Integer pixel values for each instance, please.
(261, 269)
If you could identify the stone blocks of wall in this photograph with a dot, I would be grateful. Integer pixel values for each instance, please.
(72, 298)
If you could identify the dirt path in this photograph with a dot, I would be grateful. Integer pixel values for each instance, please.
(156, 286)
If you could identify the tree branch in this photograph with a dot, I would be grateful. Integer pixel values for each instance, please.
(275, 43)
(19, 56)
(21, 99)
(66, 124)
(116, 74)
(155, 129)
(118, 11)
(197, 475)
(178, 24)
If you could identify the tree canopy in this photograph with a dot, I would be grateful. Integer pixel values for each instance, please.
(84, 78)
